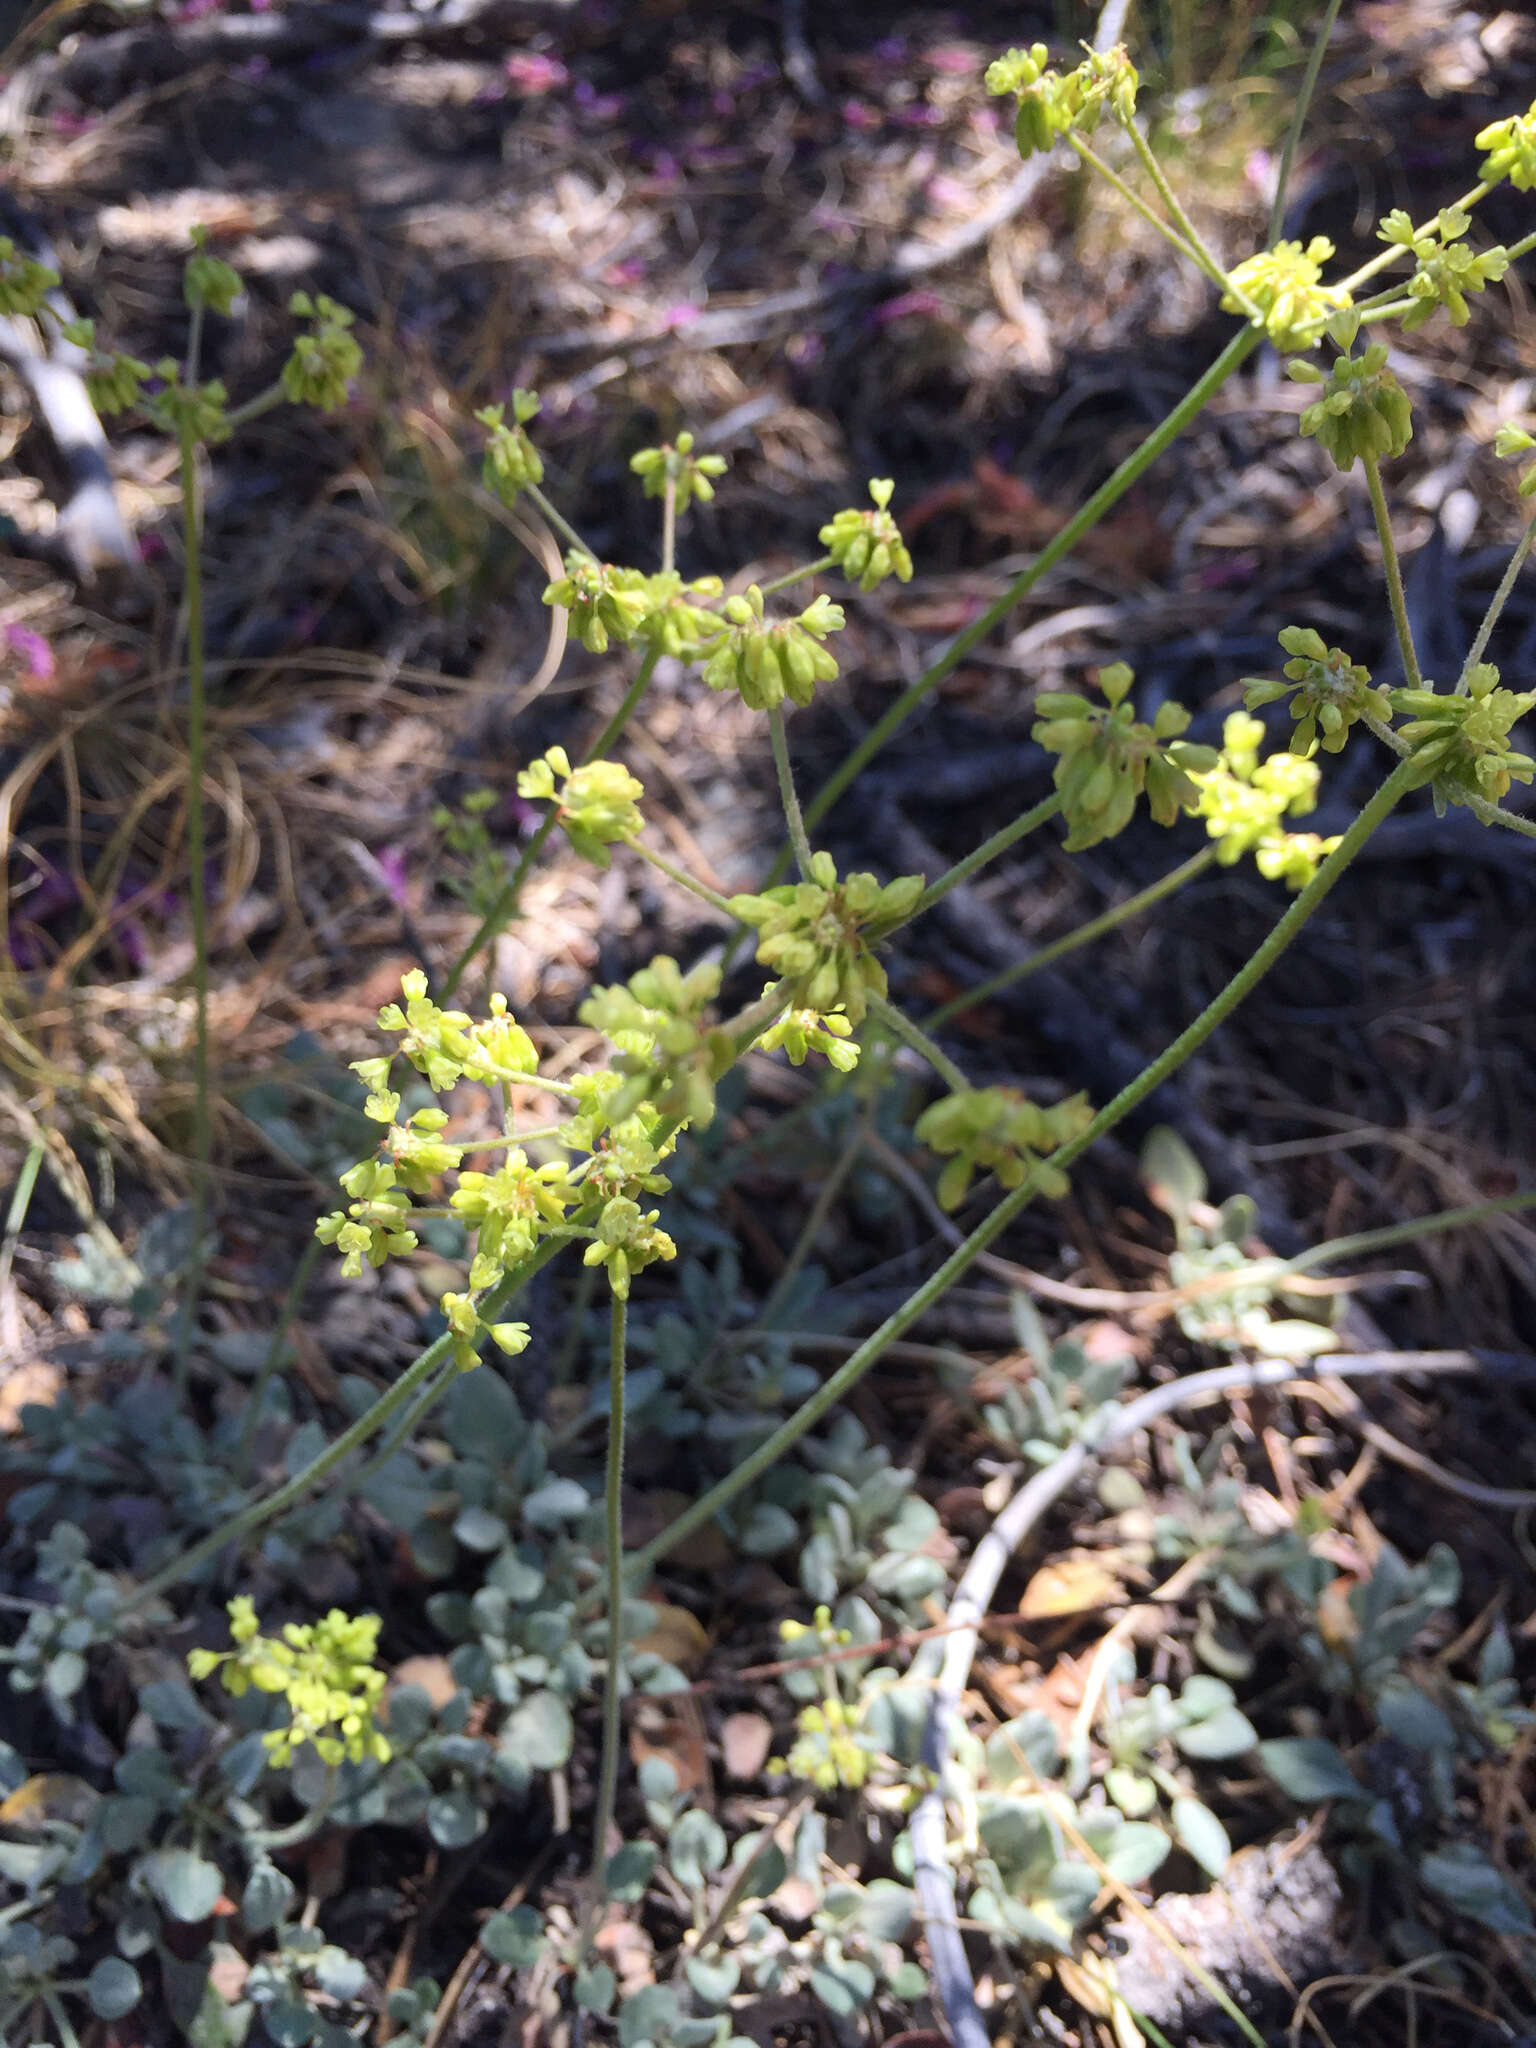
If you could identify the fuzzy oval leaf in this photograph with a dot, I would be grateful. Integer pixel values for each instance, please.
(113, 1988)
(186, 1885)
(1202, 1834)
(515, 1938)
(1308, 1769)
(1229, 1732)
(539, 1730)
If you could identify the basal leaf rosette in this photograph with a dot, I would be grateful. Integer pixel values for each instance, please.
(597, 803)
(1107, 758)
(1462, 741)
(766, 660)
(817, 934)
(999, 1131)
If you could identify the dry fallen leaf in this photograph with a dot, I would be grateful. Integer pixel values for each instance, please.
(676, 1636)
(673, 1730)
(1070, 1585)
(433, 1674)
(745, 1740)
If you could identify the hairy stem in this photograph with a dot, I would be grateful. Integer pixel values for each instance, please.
(989, 849)
(787, 796)
(197, 893)
(912, 1035)
(1083, 935)
(1496, 605)
(1299, 118)
(1394, 573)
(608, 1774)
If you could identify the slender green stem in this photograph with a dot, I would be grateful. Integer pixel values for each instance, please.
(405, 1428)
(613, 1501)
(1134, 199)
(197, 892)
(988, 850)
(558, 521)
(1362, 1242)
(1395, 253)
(815, 1220)
(1199, 248)
(504, 908)
(16, 1213)
(1299, 118)
(253, 1514)
(68, 2038)
(683, 879)
(1402, 779)
(266, 1840)
(787, 795)
(1495, 814)
(194, 346)
(256, 1399)
(1394, 573)
(669, 524)
(1104, 499)
(816, 568)
(1081, 935)
(1382, 731)
(253, 408)
(1496, 605)
(911, 1034)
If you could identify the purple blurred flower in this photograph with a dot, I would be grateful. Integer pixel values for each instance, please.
(392, 869)
(534, 73)
(630, 271)
(857, 115)
(756, 75)
(892, 49)
(595, 105)
(682, 315)
(33, 649)
(909, 302)
(956, 58)
(917, 116)
(63, 123)
(805, 349)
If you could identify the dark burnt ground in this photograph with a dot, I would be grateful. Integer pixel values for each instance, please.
(663, 217)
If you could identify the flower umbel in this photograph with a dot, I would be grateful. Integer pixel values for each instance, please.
(1363, 410)
(769, 660)
(1445, 268)
(511, 462)
(325, 360)
(867, 546)
(325, 1671)
(1329, 693)
(1285, 285)
(1511, 147)
(816, 934)
(1243, 799)
(1107, 758)
(1462, 742)
(691, 476)
(1000, 1131)
(602, 600)
(597, 801)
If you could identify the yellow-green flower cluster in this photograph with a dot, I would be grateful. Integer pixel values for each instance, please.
(1462, 742)
(24, 282)
(676, 621)
(830, 1749)
(511, 461)
(673, 1055)
(324, 1669)
(1050, 103)
(1511, 147)
(691, 476)
(1329, 693)
(510, 1210)
(1284, 285)
(816, 933)
(1445, 269)
(1107, 758)
(112, 382)
(200, 408)
(1516, 441)
(769, 660)
(628, 1240)
(374, 1225)
(325, 360)
(603, 601)
(447, 1046)
(209, 280)
(1243, 800)
(598, 802)
(800, 1032)
(867, 546)
(1363, 410)
(466, 1327)
(1000, 1131)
